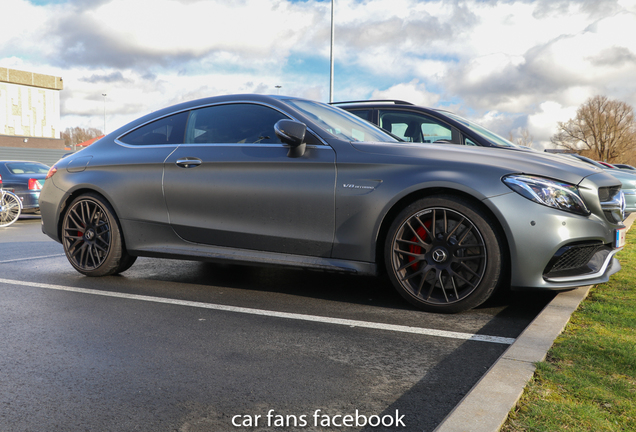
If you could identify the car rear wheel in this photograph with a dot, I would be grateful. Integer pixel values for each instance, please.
(443, 254)
(92, 238)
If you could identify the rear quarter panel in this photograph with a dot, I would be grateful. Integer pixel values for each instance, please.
(129, 178)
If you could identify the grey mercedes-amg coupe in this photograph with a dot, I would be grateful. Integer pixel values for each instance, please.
(275, 180)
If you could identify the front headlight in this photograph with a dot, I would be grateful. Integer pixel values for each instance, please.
(550, 193)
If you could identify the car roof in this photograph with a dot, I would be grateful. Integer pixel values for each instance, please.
(194, 103)
(374, 101)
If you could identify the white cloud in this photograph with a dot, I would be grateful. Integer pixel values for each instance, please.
(543, 123)
(168, 27)
(414, 92)
(483, 68)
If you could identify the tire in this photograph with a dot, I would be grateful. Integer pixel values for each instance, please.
(125, 263)
(443, 254)
(92, 238)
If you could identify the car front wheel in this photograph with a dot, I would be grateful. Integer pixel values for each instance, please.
(92, 238)
(443, 254)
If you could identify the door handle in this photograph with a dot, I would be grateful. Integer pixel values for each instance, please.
(189, 162)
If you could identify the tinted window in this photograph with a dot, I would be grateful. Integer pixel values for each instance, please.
(414, 127)
(168, 130)
(363, 114)
(234, 123)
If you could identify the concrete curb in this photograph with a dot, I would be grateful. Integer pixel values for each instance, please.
(485, 408)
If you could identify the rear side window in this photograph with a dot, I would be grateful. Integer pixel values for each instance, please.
(168, 130)
(234, 123)
(27, 168)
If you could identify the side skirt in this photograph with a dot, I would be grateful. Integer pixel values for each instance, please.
(160, 241)
(218, 254)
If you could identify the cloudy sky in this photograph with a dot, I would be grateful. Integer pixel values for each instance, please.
(506, 64)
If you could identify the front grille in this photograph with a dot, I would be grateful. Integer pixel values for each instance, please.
(575, 258)
(572, 257)
(612, 203)
(608, 193)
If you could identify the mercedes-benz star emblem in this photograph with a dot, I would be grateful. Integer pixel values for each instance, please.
(439, 255)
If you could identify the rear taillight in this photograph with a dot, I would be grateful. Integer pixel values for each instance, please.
(51, 172)
(0, 181)
(34, 184)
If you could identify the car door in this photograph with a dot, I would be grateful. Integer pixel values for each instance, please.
(232, 184)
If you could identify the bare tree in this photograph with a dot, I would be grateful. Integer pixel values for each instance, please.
(524, 140)
(77, 135)
(603, 128)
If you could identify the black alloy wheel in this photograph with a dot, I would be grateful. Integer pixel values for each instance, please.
(92, 238)
(443, 255)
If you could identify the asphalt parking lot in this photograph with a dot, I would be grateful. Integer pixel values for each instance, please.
(186, 346)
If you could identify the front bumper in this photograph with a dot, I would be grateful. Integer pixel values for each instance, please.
(589, 260)
(553, 249)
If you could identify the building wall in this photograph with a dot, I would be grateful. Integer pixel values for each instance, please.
(29, 109)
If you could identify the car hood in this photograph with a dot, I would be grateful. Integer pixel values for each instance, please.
(503, 160)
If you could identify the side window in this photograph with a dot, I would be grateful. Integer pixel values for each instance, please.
(168, 130)
(233, 123)
(363, 114)
(468, 141)
(415, 127)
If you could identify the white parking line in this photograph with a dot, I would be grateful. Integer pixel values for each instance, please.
(31, 258)
(301, 317)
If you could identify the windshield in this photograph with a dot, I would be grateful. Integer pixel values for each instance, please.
(340, 123)
(489, 135)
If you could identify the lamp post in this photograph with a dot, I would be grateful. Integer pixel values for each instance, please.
(104, 94)
(278, 89)
(331, 56)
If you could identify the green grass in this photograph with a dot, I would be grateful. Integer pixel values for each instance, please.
(588, 380)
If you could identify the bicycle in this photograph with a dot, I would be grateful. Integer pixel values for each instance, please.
(10, 208)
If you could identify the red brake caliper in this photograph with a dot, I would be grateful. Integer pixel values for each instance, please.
(421, 232)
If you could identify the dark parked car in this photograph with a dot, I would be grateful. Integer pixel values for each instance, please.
(273, 180)
(414, 123)
(25, 179)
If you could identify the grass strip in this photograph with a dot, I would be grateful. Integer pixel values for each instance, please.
(588, 380)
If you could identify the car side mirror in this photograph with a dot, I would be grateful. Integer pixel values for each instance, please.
(292, 133)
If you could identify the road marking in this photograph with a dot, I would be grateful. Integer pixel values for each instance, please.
(294, 316)
(31, 258)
